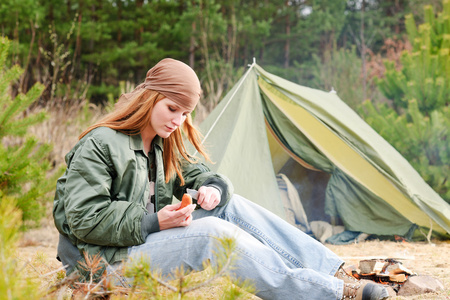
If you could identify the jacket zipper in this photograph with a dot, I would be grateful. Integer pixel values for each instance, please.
(155, 190)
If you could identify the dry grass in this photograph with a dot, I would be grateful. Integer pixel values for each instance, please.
(37, 251)
(65, 123)
(38, 247)
(63, 126)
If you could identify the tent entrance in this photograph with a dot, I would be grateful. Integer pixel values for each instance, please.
(309, 182)
(311, 187)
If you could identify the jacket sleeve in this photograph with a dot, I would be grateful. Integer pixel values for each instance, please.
(198, 174)
(92, 215)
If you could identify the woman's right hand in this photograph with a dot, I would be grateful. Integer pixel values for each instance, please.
(170, 217)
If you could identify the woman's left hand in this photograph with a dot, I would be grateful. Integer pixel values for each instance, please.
(208, 197)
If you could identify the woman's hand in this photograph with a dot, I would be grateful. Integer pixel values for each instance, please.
(208, 197)
(169, 217)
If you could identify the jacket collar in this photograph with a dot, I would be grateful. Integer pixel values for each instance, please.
(158, 141)
(136, 143)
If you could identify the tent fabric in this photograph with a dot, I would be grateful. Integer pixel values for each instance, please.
(295, 214)
(238, 144)
(264, 120)
(339, 154)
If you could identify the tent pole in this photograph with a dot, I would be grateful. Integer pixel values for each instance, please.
(229, 101)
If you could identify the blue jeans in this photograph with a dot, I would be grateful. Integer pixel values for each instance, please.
(280, 260)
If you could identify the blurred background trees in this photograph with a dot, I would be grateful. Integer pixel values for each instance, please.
(389, 60)
(70, 45)
(416, 121)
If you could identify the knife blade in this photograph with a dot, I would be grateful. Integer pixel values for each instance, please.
(193, 193)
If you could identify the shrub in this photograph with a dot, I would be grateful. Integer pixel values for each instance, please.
(417, 122)
(14, 283)
(23, 160)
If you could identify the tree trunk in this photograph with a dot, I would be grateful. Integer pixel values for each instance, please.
(119, 18)
(139, 4)
(287, 44)
(22, 85)
(77, 52)
(397, 10)
(232, 36)
(192, 46)
(363, 51)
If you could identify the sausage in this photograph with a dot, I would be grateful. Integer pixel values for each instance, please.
(185, 201)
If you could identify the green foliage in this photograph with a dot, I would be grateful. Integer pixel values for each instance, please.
(14, 282)
(103, 42)
(98, 43)
(96, 92)
(23, 166)
(422, 140)
(340, 70)
(58, 57)
(425, 72)
(300, 29)
(144, 283)
(418, 124)
(183, 283)
(11, 108)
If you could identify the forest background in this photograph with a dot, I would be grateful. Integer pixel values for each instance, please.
(64, 63)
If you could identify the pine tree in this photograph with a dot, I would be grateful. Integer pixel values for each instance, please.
(418, 122)
(425, 71)
(15, 283)
(23, 159)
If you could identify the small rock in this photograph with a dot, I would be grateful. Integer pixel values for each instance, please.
(420, 285)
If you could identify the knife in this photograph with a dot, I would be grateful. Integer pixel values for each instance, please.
(193, 193)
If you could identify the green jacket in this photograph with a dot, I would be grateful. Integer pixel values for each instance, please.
(100, 200)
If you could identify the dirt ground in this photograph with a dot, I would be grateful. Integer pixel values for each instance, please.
(38, 248)
(421, 258)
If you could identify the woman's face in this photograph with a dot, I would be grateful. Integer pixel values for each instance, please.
(167, 116)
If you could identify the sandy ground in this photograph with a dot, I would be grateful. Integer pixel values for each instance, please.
(38, 248)
(421, 258)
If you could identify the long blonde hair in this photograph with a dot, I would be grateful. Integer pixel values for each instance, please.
(132, 117)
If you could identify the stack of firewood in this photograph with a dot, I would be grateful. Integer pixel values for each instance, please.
(388, 271)
(399, 280)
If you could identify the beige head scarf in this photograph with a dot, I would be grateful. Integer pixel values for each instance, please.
(172, 78)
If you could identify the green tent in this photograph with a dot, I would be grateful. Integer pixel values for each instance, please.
(266, 122)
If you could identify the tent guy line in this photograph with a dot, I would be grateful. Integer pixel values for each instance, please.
(231, 98)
